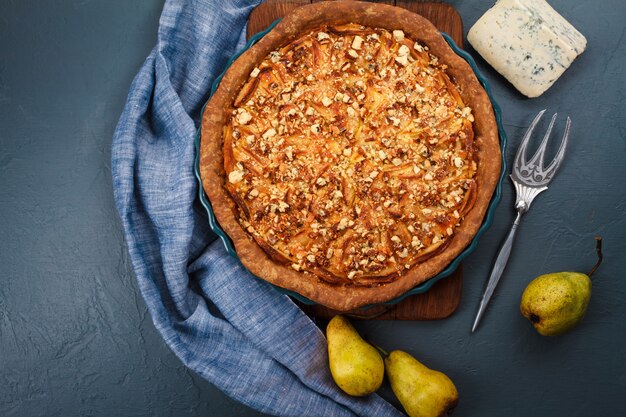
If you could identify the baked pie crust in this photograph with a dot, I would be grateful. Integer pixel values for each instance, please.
(350, 154)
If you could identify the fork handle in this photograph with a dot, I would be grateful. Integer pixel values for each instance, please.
(498, 268)
(503, 256)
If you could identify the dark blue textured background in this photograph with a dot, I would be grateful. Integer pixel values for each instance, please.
(75, 337)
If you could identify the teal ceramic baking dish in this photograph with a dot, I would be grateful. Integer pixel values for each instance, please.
(425, 286)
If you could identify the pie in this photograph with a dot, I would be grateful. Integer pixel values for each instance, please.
(350, 154)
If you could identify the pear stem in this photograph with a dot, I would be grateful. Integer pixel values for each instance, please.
(381, 350)
(599, 253)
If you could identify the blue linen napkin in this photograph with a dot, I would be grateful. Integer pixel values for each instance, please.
(231, 328)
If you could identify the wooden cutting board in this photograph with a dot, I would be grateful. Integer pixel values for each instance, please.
(444, 297)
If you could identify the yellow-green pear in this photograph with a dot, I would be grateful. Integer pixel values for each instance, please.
(557, 302)
(356, 366)
(423, 392)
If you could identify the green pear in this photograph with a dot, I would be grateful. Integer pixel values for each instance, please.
(557, 302)
(356, 366)
(423, 392)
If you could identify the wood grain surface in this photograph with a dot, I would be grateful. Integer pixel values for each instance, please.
(444, 297)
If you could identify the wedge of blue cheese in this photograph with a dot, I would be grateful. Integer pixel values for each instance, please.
(528, 42)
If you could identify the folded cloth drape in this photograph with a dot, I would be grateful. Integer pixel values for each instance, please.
(231, 328)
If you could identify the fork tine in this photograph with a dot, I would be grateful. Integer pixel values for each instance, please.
(554, 165)
(521, 151)
(538, 157)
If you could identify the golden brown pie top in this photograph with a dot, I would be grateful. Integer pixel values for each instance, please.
(350, 154)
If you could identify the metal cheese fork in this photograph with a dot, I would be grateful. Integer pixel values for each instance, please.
(529, 178)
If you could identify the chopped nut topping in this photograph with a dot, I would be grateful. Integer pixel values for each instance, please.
(269, 133)
(235, 176)
(322, 35)
(331, 156)
(402, 60)
(356, 43)
(244, 117)
(282, 206)
(343, 223)
(467, 112)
